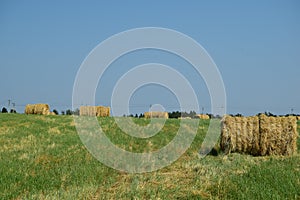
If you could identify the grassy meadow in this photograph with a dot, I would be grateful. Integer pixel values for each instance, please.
(42, 157)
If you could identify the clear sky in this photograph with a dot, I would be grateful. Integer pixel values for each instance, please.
(255, 44)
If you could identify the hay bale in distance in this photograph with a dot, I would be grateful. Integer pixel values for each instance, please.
(102, 111)
(29, 109)
(259, 135)
(202, 116)
(156, 114)
(39, 109)
(99, 111)
(87, 111)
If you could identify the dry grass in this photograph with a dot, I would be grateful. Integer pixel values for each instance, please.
(54, 130)
(15, 145)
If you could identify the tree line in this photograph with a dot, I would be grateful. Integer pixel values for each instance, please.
(174, 114)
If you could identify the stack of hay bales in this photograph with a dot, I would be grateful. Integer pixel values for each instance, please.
(99, 111)
(202, 116)
(87, 111)
(102, 111)
(40, 109)
(259, 135)
(156, 114)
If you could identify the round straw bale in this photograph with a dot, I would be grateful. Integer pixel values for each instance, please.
(202, 116)
(278, 135)
(41, 109)
(29, 109)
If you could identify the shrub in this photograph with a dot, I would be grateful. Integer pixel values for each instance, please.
(4, 110)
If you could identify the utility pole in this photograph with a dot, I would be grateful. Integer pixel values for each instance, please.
(202, 110)
(8, 108)
(292, 110)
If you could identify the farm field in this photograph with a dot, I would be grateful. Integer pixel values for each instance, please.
(42, 157)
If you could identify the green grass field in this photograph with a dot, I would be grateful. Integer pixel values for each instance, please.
(42, 157)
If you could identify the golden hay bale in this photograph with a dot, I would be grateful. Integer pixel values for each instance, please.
(259, 135)
(240, 134)
(52, 113)
(298, 118)
(87, 110)
(82, 111)
(202, 116)
(278, 135)
(29, 109)
(40, 109)
(99, 111)
(102, 111)
(156, 114)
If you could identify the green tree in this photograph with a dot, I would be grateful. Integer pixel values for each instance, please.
(13, 111)
(4, 110)
(69, 112)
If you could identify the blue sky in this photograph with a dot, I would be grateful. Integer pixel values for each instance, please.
(255, 44)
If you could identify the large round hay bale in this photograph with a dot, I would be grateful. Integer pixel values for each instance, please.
(29, 109)
(278, 135)
(41, 109)
(240, 134)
